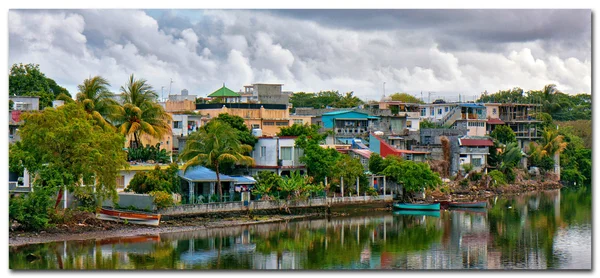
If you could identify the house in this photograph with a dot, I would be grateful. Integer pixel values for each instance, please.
(363, 155)
(125, 176)
(198, 184)
(266, 93)
(469, 116)
(225, 95)
(380, 146)
(182, 126)
(269, 118)
(474, 151)
(276, 154)
(435, 112)
(20, 105)
(346, 125)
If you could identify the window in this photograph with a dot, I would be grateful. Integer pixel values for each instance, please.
(476, 162)
(408, 123)
(494, 111)
(446, 109)
(423, 112)
(255, 126)
(283, 123)
(286, 153)
(263, 151)
(298, 121)
(121, 182)
(269, 123)
(177, 124)
(440, 111)
(432, 112)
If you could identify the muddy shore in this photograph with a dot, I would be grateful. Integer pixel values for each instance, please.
(91, 228)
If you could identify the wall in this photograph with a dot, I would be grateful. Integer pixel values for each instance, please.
(436, 117)
(180, 105)
(272, 153)
(490, 107)
(140, 201)
(184, 210)
(252, 115)
(329, 119)
(33, 102)
(271, 93)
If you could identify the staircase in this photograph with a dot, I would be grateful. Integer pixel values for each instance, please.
(451, 117)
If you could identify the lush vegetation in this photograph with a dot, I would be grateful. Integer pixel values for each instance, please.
(324, 99)
(561, 106)
(28, 80)
(504, 134)
(244, 134)
(213, 145)
(406, 98)
(413, 176)
(156, 180)
(149, 153)
(269, 185)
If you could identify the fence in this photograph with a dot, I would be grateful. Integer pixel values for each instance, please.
(195, 209)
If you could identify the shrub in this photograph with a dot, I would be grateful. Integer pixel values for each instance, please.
(467, 167)
(86, 199)
(475, 176)
(155, 180)
(32, 210)
(162, 199)
(371, 191)
(464, 182)
(497, 177)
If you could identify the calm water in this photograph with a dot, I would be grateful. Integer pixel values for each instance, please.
(547, 230)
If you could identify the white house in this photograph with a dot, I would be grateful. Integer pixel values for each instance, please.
(277, 154)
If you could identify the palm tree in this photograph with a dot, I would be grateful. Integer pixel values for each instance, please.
(140, 114)
(96, 98)
(137, 92)
(212, 145)
(552, 144)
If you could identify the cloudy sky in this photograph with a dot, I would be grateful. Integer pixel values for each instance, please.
(446, 52)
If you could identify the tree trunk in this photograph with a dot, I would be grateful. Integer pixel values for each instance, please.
(557, 164)
(218, 181)
(136, 140)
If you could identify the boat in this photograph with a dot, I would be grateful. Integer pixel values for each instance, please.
(405, 206)
(432, 213)
(133, 217)
(482, 204)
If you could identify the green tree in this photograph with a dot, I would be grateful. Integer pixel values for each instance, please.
(348, 101)
(266, 183)
(504, 134)
(140, 114)
(546, 120)
(376, 163)
(96, 99)
(299, 130)
(406, 98)
(56, 89)
(413, 176)
(319, 161)
(213, 145)
(349, 168)
(302, 99)
(28, 80)
(238, 123)
(65, 147)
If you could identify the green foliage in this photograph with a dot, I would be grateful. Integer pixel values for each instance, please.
(468, 167)
(579, 128)
(428, 124)
(148, 152)
(406, 98)
(576, 158)
(244, 134)
(463, 182)
(572, 177)
(510, 157)
(155, 180)
(28, 80)
(307, 130)
(475, 176)
(213, 145)
(66, 147)
(325, 99)
(11, 104)
(266, 183)
(349, 168)
(412, 175)
(32, 211)
(394, 110)
(497, 177)
(546, 120)
(291, 186)
(376, 163)
(504, 134)
(162, 199)
(371, 191)
(85, 196)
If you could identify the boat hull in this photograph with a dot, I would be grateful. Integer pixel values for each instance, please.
(468, 204)
(130, 217)
(402, 206)
(432, 213)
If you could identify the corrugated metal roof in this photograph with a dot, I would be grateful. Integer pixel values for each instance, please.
(362, 152)
(202, 174)
(495, 121)
(472, 105)
(476, 142)
(243, 180)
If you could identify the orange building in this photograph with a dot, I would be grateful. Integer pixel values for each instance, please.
(269, 118)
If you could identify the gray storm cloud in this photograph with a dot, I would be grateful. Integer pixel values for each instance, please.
(447, 52)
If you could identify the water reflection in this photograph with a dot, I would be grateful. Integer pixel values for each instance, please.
(534, 231)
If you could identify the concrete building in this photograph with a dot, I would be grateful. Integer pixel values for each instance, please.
(184, 96)
(380, 146)
(474, 151)
(362, 155)
(431, 142)
(276, 154)
(267, 93)
(435, 112)
(269, 118)
(469, 116)
(20, 105)
(346, 125)
(522, 119)
(182, 126)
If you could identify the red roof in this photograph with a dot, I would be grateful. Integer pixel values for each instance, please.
(363, 153)
(495, 121)
(476, 142)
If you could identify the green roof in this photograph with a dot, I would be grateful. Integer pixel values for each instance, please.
(224, 92)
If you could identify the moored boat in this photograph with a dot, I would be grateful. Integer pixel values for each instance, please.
(432, 213)
(482, 204)
(129, 216)
(406, 206)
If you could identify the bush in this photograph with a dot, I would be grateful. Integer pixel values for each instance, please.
(148, 153)
(32, 210)
(162, 199)
(475, 176)
(371, 191)
(464, 182)
(86, 199)
(467, 167)
(155, 180)
(497, 177)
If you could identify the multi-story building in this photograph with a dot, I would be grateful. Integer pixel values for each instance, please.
(346, 125)
(435, 112)
(266, 93)
(469, 116)
(474, 151)
(182, 126)
(522, 119)
(20, 104)
(276, 154)
(269, 118)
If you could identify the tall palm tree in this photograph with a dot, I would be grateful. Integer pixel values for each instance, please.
(140, 114)
(552, 144)
(96, 98)
(212, 145)
(138, 92)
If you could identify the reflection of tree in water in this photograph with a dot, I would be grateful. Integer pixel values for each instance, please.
(524, 227)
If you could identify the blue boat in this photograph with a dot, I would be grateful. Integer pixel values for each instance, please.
(405, 206)
(432, 213)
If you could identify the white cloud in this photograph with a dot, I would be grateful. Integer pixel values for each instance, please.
(241, 47)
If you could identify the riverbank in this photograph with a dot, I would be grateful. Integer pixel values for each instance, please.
(84, 225)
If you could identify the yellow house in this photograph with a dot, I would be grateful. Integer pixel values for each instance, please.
(269, 118)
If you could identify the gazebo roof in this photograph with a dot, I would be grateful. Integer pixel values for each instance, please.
(224, 92)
